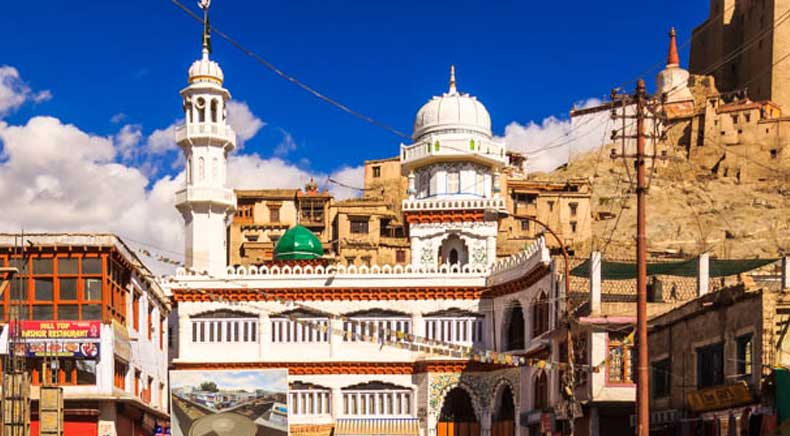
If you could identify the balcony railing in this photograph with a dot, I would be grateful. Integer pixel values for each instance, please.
(484, 149)
(206, 130)
(201, 194)
(453, 204)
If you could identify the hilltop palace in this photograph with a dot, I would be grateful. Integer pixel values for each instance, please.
(406, 349)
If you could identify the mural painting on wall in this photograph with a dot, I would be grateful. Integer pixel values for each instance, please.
(229, 402)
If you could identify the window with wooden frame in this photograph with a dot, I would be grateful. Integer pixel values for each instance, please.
(274, 212)
(541, 391)
(244, 213)
(56, 287)
(161, 332)
(119, 375)
(65, 371)
(136, 299)
(359, 225)
(743, 356)
(660, 378)
(119, 278)
(150, 323)
(710, 365)
(137, 376)
(400, 256)
(620, 360)
(540, 315)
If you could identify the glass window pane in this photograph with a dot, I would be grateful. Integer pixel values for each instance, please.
(19, 290)
(42, 266)
(91, 311)
(44, 290)
(91, 265)
(68, 312)
(68, 289)
(42, 312)
(19, 264)
(67, 266)
(92, 289)
(86, 372)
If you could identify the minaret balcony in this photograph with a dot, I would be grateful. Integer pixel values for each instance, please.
(457, 147)
(206, 132)
(206, 195)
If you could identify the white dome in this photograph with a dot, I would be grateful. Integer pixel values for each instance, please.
(452, 111)
(206, 70)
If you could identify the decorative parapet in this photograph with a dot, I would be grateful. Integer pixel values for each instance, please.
(520, 263)
(185, 132)
(343, 270)
(432, 204)
(438, 147)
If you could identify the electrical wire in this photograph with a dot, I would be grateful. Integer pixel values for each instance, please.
(282, 74)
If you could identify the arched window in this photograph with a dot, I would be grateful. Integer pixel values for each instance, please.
(514, 329)
(540, 314)
(188, 110)
(453, 182)
(453, 256)
(201, 106)
(540, 399)
(201, 169)
(214, 110)
(189, 171)
(214, 169)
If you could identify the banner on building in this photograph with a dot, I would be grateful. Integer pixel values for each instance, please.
(85, 350)
(59, 329)
(719, 397)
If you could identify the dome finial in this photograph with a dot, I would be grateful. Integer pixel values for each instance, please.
(204, 4)
(673, 60)
(452, 80)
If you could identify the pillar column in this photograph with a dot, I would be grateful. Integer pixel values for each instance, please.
(785, 283)
(108, 416)
(265, 332)
(335, 340)
(703, 272)
(337, 403)
(595, 281)
(485, 422)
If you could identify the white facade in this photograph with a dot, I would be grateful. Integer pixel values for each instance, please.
(206, 138)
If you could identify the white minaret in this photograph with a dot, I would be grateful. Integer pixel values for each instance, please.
(206, 202)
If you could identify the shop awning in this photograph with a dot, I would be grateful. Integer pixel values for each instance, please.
(372, 426)
(687, 268)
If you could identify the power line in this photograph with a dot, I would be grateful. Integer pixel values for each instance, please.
(258, 58)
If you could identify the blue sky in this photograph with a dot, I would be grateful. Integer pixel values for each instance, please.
(524, 60)
(89, 92)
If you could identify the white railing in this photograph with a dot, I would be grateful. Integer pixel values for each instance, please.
(225, 330)
(355, 329)
(388, 271)
(463, 331)
(520, 263)
(289, 331)
(310, 402)
(449, 147)
(200, 130)
(200, 194)
(377, 403)
(431, 204)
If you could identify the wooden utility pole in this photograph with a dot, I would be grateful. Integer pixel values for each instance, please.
(642, 382)
(639, 102)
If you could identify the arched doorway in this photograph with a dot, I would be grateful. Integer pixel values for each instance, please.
(457, 417)
(505, 415)
(454, 251)
(514, 328)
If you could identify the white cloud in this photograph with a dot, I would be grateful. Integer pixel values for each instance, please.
(14, 92)
(117, 118)
(243, 121)
(548, 144)
(161, 141)
(349, 176)
(128, 139)
(285, 146)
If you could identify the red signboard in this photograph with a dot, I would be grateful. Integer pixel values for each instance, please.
(52, 330)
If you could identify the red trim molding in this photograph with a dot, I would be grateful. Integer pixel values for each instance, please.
(329, 294)
(442, 216)
(340, 368)
(519, 284)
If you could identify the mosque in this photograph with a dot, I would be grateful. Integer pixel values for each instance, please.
(453, 342)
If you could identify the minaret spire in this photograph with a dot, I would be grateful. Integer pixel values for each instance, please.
(204, 4)
(673, 60)
(452, 80)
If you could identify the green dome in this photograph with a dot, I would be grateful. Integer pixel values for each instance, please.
(298, 243)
